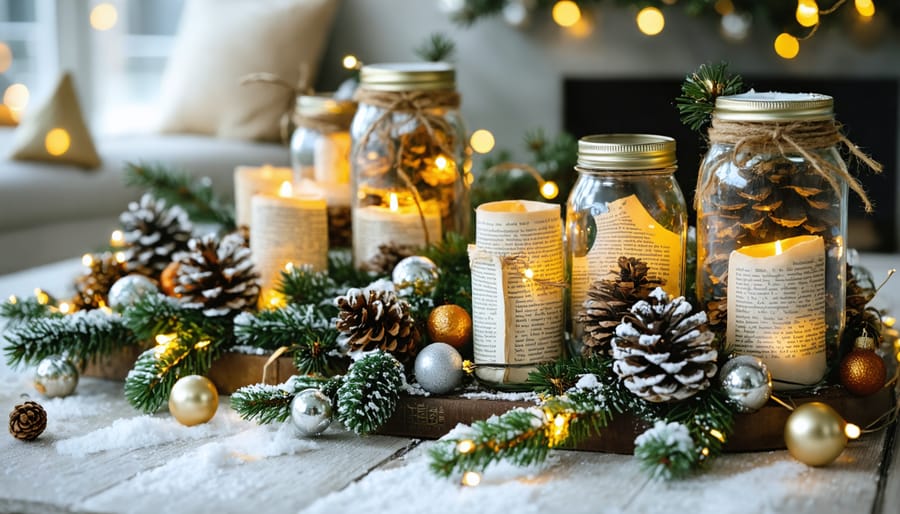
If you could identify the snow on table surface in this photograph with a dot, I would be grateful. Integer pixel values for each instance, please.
(99, 455)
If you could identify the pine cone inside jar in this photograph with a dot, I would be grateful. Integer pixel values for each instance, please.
(609, 299)
(153, 234)
(375, 319)
(389, 254)
(27, 421)
(663, 351)
(217, 276)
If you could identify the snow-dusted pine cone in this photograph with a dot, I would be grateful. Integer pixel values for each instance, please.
(663, 350)
(27, 421)
(217, 276)
(375, 319)
(92, 287)
(153, 233)
(609, 299)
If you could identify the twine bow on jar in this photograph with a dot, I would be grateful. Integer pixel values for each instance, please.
(749, 138)
(301, 87)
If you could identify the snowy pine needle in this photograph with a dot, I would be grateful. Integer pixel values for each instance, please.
(666, 451)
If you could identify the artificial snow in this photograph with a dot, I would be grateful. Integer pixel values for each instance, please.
(520, 396)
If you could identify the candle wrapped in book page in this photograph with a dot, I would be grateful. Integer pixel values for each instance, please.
(517, 289)
(776, 308)
(287, 230)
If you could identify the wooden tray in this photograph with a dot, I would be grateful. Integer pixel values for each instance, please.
(432, 417)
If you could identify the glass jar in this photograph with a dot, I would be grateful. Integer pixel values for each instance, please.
(409, 161)
(771, 224)
(624, 206)
(320, 157)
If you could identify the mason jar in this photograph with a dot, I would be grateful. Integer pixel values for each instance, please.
(625, 221)
(771, 226)
(409, 161)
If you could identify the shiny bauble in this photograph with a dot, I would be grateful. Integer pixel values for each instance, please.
(814, 434)
(129, 289)
(863, 371)
(747, 382)
(169, 279)
(439, 368)
(450, 324)
(415, 274)
(193, 400)
(55, 377)
(311, 412)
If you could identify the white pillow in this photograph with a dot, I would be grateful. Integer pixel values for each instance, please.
(221, 41)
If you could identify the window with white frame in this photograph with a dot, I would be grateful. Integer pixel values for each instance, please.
(27, 51)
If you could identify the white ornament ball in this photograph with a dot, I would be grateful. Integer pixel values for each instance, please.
(55, 377)
(311, 412)
(517, 13)
(415, 273)
(128, 289)
(439, 368)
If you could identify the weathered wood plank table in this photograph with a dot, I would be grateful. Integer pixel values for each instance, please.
(99, 455)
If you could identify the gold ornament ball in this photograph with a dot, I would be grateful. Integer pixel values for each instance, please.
(450, 324)
(814, 434)
(193, 400)
(863, 372)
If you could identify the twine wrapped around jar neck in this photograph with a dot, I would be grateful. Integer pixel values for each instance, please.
(805, 138)
(325, 122)
(294, 90)
(421, 106)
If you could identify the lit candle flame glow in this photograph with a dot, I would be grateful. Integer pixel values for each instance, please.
(778, 249)
(394, 204)
(286, 189)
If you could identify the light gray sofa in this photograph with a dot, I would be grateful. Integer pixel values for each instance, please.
(50, 212)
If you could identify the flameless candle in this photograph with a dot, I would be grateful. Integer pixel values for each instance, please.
(249, 181)
(776, 307)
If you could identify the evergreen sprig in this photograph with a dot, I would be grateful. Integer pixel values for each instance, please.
(84, 335)
(196, 197)
(666, 451)
(317, 353)
(273, 328)
(439, 47)
(18, 311)
(342, 271)
(266, 404)
(303, 285)
(156, 314)
(454, 285)
(368, 397)
(149, 383)
(700, 90)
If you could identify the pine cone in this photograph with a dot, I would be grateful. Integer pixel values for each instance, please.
(27, 421)
(663, 351)
(609, 299)
(92, 287)
(217, 276)
(388, 256)
(377, 320)
(153, 234)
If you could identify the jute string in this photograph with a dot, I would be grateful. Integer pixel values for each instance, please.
(325, 122)
(302, 87)
(422, 107)
(804, 138)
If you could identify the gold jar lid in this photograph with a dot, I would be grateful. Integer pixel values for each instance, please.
(408, 76)
(772, 106)
(626, 152)
(324, 104)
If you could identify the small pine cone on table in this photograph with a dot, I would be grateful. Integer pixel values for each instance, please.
(92, 287)
(663, 351)
(153, 235)
(217, 276)
(609, 299)
(375, 319)
(27, 421)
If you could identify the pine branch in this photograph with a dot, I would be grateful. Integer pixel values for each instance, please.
(303, 285)
(344, 273)
(317, 353)
(274, 328)
(197, 198)
(369, 394)
(557, 377)
(265, 403)
(439, 47)
(18, 311)
(149, 383)
(157, 314)
(454, 285)
(666, 451)
(84, 335)
(700, 90)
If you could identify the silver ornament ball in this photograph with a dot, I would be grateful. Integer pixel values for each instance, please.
(311, 412)
(55, 377)
(747, 382)
(415, 273)
(129, 289)
(439, 368)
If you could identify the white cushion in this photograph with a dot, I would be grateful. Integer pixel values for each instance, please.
(221, 41)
